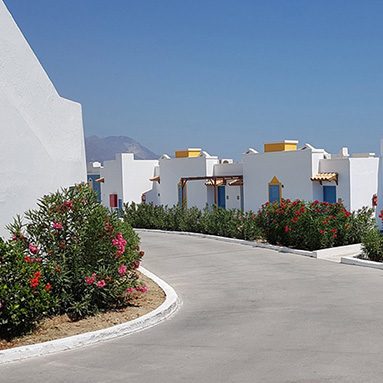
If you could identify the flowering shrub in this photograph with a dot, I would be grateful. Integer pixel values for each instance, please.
(217, 221)
(86, 253)
(300, 224)
(312, 225)
(25, 294)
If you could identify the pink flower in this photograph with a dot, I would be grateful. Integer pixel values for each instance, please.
(144, 289)
(138, 288)
(57, 225)
(1, 305)
(89, 281)
(129, 290)
(33, 249)
(14, 236)
(68, 205)
(122, 270)
(101, 283)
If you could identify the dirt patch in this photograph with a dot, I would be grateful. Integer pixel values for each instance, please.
(62, 327)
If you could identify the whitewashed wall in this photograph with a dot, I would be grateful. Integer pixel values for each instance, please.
(127, 177)
(293, 169)
(342, 167)
(364, 181)
(380, 187)
(173, 169)
(42, 142)
(153, 195)
(112, 173)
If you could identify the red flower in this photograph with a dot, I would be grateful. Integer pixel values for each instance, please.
(287, 229)
(334, 235)
(48, 286)
(322, 232)
(333, 231)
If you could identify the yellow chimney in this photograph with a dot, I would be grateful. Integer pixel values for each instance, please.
(280, 146)
(191, 152)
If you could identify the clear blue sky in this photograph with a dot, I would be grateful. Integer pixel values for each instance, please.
(222, 75)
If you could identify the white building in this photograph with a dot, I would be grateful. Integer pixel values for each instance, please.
(283, 171)
(198, 179)
(42, 143)
(124, 179)
(380, 187)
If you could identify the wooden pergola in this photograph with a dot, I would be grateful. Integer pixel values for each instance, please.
(215, 181)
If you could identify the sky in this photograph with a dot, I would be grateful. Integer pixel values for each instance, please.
(222, 75)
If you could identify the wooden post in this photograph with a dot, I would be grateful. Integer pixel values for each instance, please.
(183, 183)
(215, 192)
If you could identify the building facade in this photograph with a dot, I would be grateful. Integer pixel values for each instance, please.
(195, 178)
(42, 140)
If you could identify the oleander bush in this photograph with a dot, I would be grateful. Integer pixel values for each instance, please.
(303, 225)
(85, 252)
(216, 221)
(313, 225)
(25, 292)
(372, 245)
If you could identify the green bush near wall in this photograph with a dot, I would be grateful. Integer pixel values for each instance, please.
(299, 224)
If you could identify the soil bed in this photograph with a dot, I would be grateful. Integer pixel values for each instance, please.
(62, 327)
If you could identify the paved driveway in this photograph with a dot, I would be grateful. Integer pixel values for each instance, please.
(248, 315)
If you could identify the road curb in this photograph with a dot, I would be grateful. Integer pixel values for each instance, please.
(362, 262)
(161, 313)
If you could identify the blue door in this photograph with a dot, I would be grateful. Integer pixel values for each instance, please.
(329, 194)
(221, 196)
(274, 193)
(180, 194)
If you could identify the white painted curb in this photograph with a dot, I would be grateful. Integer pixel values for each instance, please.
(165, 311)
(348, 250)
(361, 262)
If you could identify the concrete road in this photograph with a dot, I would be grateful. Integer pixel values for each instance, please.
(248, 315)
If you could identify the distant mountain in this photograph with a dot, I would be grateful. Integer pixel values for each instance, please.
(104, 149)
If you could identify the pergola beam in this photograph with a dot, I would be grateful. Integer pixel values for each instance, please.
(213, 179)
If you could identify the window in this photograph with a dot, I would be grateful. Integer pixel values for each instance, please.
(275, 190)
(329, 194)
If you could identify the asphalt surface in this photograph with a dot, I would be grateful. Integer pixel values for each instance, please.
(248, 315)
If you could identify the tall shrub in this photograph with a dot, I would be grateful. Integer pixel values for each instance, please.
(88, 254)
(313, 225)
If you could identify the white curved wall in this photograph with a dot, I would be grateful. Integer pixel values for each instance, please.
(42, 139)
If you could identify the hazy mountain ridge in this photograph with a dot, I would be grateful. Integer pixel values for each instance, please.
(104, 149)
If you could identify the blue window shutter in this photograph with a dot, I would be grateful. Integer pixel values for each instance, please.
(274, 193)
(329, 194)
